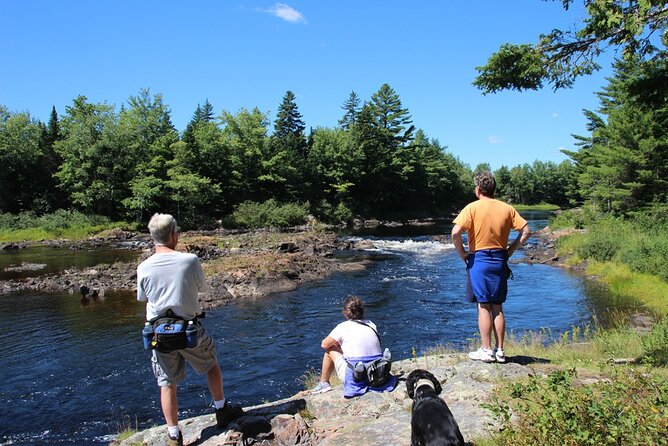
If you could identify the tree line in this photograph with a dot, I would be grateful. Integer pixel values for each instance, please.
(128, 163)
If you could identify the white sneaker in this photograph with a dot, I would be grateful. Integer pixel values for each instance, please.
(482, 354)
(498, 354)
(321, 388)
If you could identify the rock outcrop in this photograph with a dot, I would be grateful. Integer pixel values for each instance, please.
(373, 419)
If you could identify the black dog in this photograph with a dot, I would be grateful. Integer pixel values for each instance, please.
(432, 422)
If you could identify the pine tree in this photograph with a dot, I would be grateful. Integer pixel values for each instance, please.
(351, 107)
(285, 162)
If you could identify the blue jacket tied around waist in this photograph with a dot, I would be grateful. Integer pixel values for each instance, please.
(487, 276)
(352, 389)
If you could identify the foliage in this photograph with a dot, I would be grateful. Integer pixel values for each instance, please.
(639, 242)
(351, 107)
(342, 213)
(130, 162)
(560, 57)
(61, 223)
(254, 215)
(25, 156)
(654, 345)
(540, 182)
(555, 410)
(604, 241)
(644, 255)
(578, 218)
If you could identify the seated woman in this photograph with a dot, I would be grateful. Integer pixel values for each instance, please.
(352, 341)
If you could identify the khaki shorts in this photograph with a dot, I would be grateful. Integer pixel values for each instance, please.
(340, 365)
(170, 368)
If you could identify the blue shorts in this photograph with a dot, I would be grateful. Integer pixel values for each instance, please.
(487, 276)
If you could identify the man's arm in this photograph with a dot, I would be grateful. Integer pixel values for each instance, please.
(458, 242)
(521, 239)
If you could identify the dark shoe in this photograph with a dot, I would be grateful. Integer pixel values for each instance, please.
(227, 414)
(175, 441)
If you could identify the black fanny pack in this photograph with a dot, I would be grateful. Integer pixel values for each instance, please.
(375, 373)
(171, 333)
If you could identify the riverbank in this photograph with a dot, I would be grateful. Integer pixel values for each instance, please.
(237, 264)
(373, 419)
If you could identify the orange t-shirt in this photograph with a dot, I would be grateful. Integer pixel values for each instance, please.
(488, 222)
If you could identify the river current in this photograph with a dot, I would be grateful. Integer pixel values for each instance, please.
(78, 374)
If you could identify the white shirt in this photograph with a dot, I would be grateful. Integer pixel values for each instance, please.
(356, 340)
(170, 281)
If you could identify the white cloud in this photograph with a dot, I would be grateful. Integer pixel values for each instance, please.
(495, 139)
(287, 13)
(555, 115)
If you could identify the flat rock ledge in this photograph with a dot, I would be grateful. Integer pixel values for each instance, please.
(373, 419)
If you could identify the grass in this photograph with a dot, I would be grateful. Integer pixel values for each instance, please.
(648, 290)
(311, 378)
(61, 224)
(37, 234)
(122, 436)
(260, 265)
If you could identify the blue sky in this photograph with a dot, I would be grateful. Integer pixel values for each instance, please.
(245, 54)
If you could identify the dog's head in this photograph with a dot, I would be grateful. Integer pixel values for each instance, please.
(421, 377)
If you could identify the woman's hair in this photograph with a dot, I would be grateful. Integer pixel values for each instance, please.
(486, 183)
(353, 308)
(161, 228)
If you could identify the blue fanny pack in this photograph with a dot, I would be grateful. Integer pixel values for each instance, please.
(172, 333)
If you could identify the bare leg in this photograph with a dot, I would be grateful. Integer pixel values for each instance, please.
(499, 324)
(170, 406)
(328, 360)
(485, 325)
(214, 378)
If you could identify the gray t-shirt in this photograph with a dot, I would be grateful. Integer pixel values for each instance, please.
(170, 281)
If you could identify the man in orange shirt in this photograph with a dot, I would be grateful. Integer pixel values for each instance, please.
(488, 222)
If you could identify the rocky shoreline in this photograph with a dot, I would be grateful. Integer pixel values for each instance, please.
(374, 419)
(237, 265)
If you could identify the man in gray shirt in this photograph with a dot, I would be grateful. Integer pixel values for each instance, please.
(171, 280)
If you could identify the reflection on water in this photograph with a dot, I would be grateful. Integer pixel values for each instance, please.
(87, 365)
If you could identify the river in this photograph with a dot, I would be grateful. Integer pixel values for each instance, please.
(77, 374)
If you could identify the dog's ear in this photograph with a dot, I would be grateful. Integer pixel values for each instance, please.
(410, 384)
(437, 386)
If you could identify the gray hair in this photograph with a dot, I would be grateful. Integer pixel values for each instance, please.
(161, 228)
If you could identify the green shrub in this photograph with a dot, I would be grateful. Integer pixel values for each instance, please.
(654, 345)
(645, 254)
(324, 211)
(575, 218)
(24, 220)
(629, 408)
(289, 214)
(253, 215)
(654, 219)
(343, 213)
(604, 240)
(60, 219)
